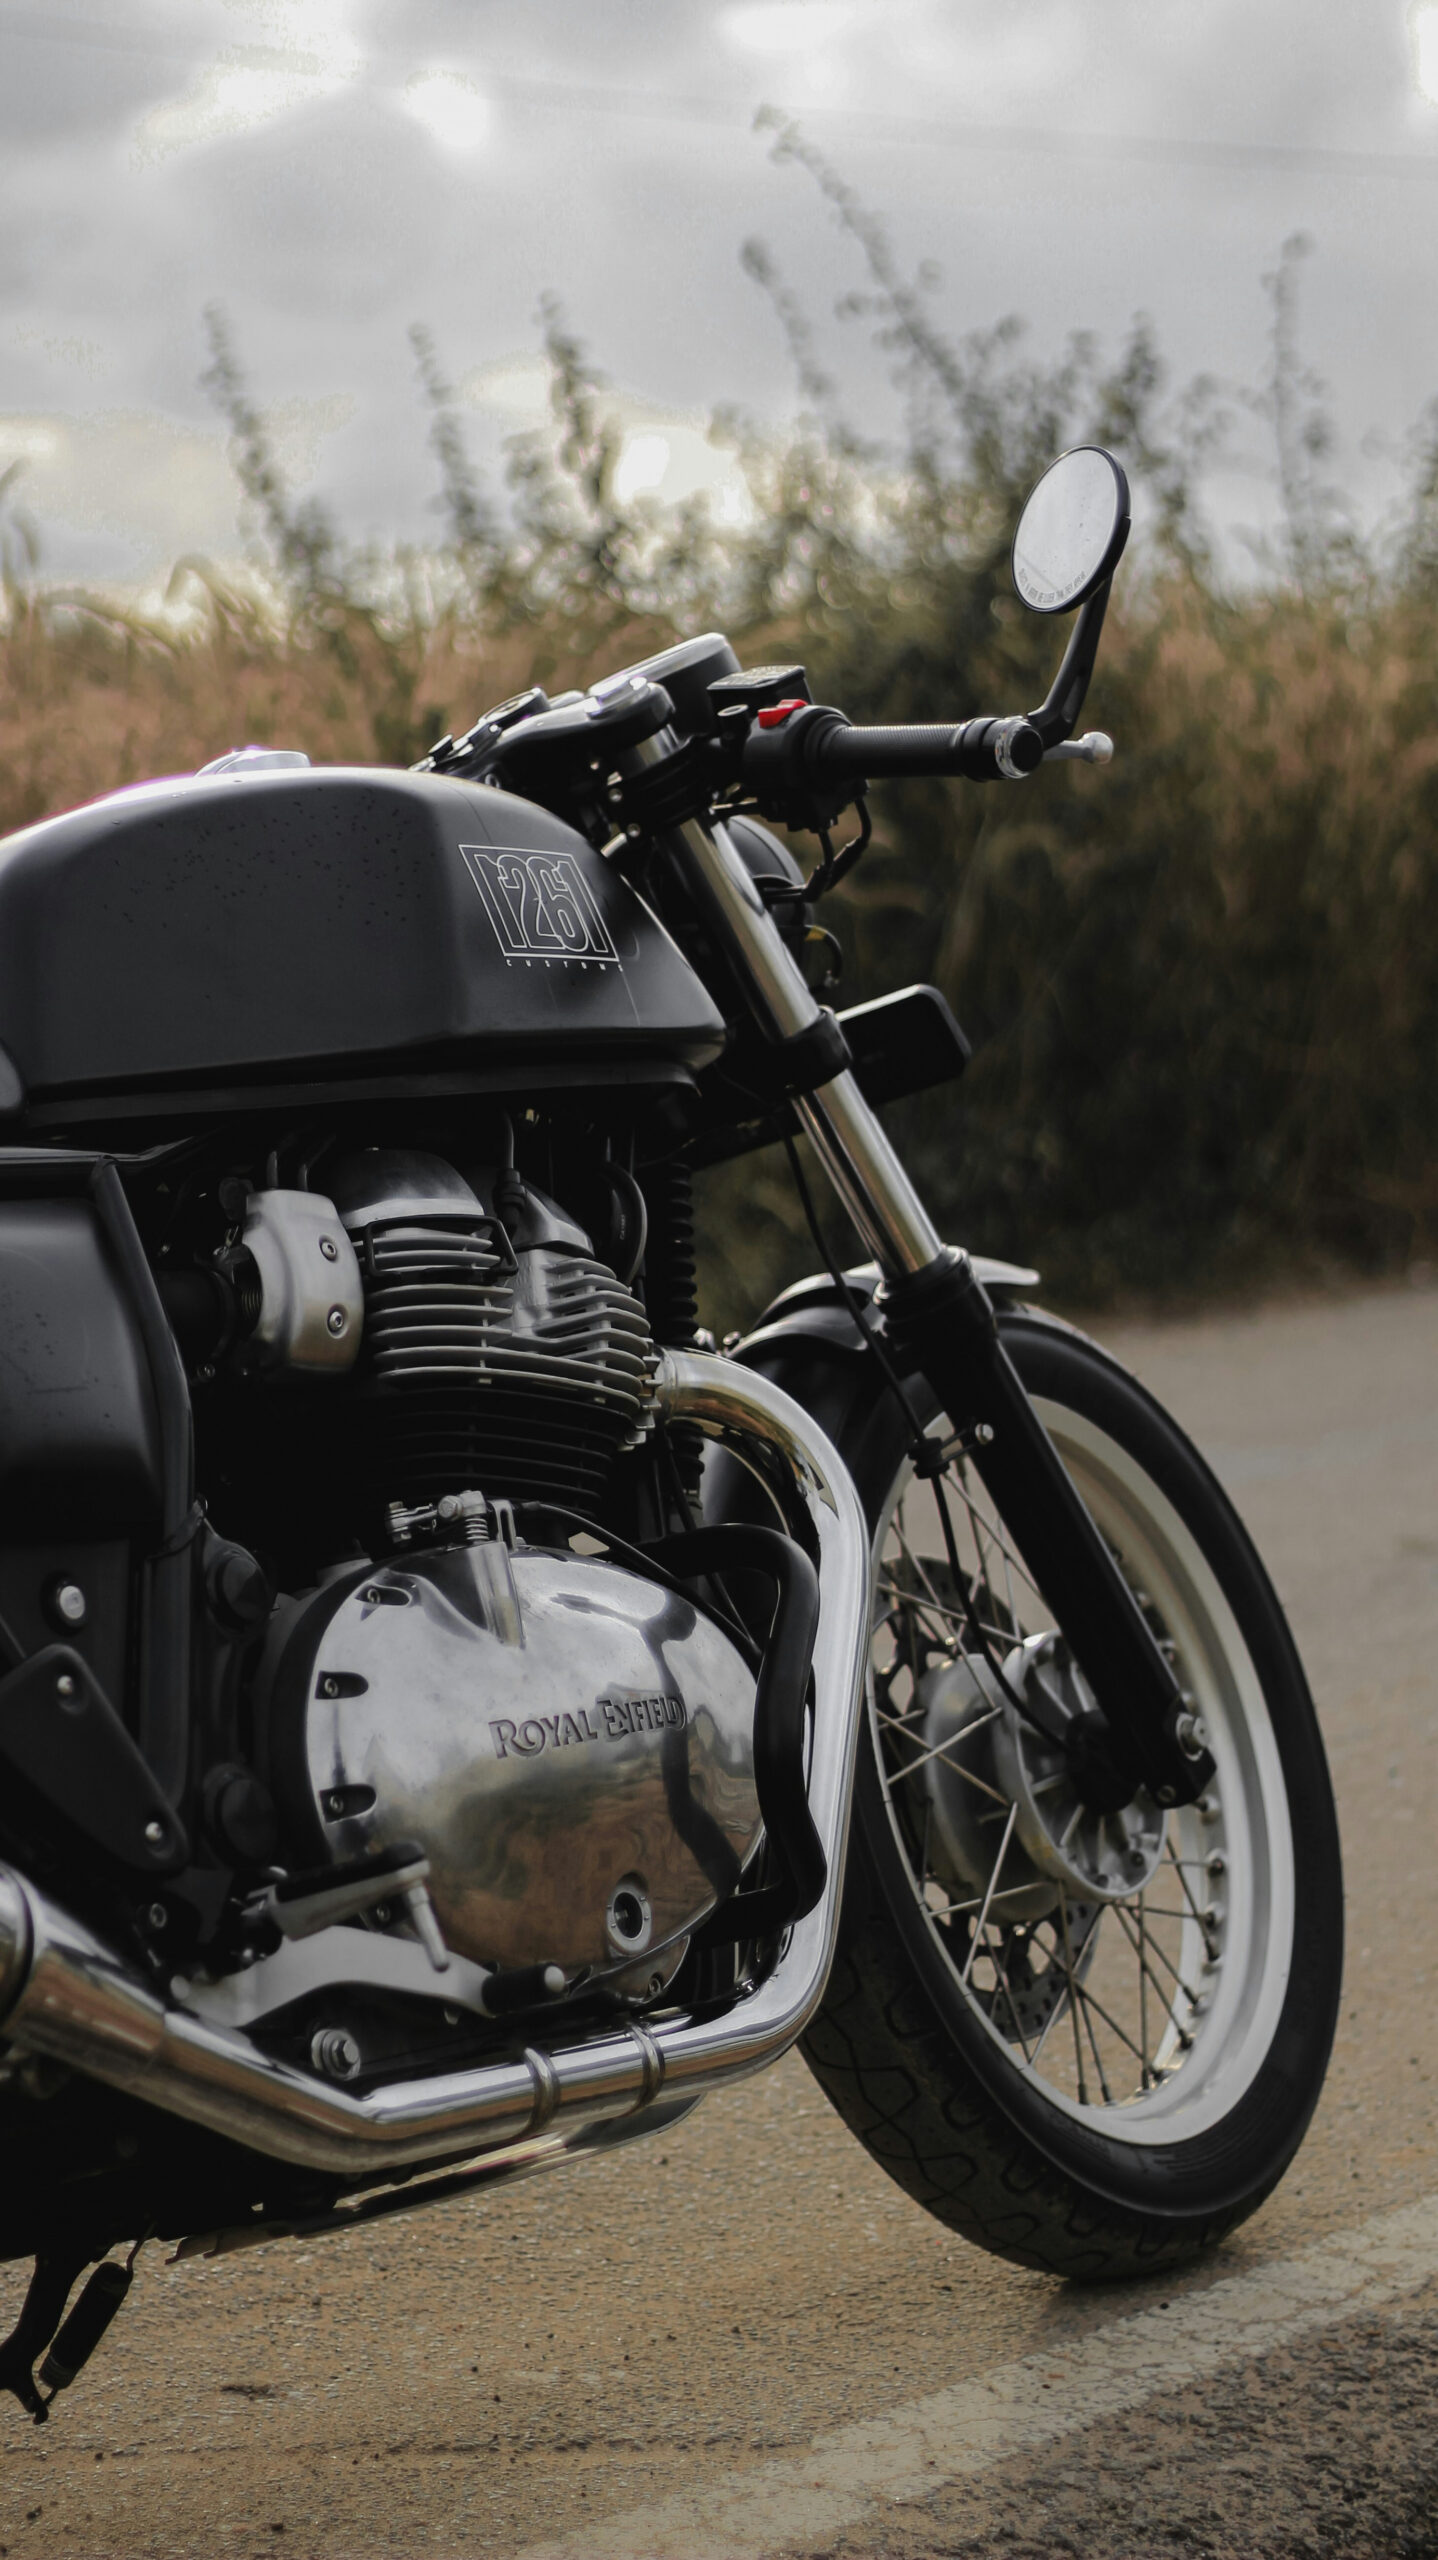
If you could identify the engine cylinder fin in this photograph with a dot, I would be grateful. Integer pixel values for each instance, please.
(671, 1291)
(524, 1374)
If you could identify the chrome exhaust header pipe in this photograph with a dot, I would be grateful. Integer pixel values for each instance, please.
(63, 1993)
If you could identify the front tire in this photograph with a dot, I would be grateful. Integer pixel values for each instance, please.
(1082, 2078)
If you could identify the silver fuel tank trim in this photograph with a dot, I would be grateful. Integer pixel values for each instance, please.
(63, 1993)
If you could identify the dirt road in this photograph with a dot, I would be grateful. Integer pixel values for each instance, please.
(741, 2337)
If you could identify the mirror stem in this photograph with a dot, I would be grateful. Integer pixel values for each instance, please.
(1057, 717)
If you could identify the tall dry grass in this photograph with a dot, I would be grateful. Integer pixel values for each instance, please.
(1202, 984)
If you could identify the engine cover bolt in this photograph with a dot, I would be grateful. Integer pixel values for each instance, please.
(67, 1686)
(628, 1919)
(155, 1835)
(336, 1320)
(334, 2051)
(69, 1604)
(329, 1249)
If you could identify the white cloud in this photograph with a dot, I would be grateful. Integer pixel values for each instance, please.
(664, 454)
(86, 355)
(516, 388)
(675, 460)
(161, 487)
(312, 56)
(642, 466)
(779, 29)
(1424, 25)
(299, 429)
(454, 113)
(806, 51)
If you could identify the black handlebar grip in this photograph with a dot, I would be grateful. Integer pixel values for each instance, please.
(975, 751)
(802, 761)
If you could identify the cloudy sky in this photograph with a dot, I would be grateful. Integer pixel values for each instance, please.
(330, 171)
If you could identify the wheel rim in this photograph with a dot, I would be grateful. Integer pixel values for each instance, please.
(1146, 2014)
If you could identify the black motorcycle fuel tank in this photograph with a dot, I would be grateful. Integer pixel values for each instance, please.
(208, 936)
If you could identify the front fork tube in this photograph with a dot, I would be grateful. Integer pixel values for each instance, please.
(941, 1322)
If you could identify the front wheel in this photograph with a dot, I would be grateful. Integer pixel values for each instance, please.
(1088, 2035)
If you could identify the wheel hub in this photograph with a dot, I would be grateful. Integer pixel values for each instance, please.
(992, 1771)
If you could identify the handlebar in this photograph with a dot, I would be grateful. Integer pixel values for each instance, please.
(1094, 747)
(804, 748)
(975, 751)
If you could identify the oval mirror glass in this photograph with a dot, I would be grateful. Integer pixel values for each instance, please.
(1072, 530)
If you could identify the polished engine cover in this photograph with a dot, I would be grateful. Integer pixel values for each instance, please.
(572, 1745)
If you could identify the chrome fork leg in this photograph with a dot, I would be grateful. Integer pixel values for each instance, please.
(941, 1321)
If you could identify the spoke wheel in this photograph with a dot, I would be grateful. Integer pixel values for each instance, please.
(1088, 2033)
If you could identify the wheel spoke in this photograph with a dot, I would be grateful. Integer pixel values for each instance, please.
(930, 1596)
(1210, 1943)
(1143, 1987)
(1061, 2002)
(969, 1619)
(1021, 1949)
(1082, 1997)
(1007, 1893)
(996, 1960)
(993, 1881)
(987, 1532)
(1092, 2001)
(924, 1849)
(941, 1750)
(1184, 2037)
(1073, 1997)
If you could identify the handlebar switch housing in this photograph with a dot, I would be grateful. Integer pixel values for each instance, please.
(756, 689)
(779, 772)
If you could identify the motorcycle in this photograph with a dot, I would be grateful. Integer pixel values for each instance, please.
(452, 1716)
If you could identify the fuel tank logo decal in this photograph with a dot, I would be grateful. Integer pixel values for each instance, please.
(540, 905)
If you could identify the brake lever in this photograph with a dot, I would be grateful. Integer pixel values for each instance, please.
(1095, 747)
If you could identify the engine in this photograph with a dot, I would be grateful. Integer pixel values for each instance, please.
(497, 1352)
(569, 1741)
(570, 1744)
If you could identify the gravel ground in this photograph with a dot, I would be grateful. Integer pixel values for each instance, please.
(1322, 2453)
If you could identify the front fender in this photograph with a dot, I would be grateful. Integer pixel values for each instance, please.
(813, 1310)
(808, 1342)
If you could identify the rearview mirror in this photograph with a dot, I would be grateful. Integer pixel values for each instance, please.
(1072, 530)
